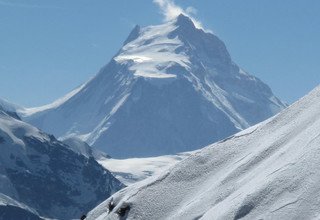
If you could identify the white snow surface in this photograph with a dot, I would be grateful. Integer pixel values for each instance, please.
(270, 171)
(133, 170)
(127, 171)
(152, 51)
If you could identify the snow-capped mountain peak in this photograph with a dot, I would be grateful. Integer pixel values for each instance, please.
(170, 88)
(153, 52)
(184, 21)
(150, 51)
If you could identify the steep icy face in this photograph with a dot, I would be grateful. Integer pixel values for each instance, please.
(269, 171)
(171, 88)
(242, 97)
(203, 48)
(43, 173)
(159, 120)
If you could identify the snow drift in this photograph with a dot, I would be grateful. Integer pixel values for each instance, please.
(269, 171)
(171, 88)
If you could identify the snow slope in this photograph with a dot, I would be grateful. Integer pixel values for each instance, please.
(133, 170)
(127, 171)
(46, 175)
(171, 88)
(270, 171)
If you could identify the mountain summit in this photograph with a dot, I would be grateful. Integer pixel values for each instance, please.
(171, 88)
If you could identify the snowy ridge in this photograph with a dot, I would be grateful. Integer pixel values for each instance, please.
(171, 88)
(32, 161)
(30, 111)
(270, 171)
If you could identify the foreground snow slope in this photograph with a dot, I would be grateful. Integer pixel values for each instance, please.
(46, 175)
(270, 171)
(171, 88)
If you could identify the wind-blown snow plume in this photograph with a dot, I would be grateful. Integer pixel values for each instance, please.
(170, 11)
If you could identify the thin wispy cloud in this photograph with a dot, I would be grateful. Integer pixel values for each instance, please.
(170, 10)
(18, 4)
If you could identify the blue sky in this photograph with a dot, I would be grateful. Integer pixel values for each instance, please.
(49, 47)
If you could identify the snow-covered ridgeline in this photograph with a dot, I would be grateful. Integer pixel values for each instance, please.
(270, 171)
